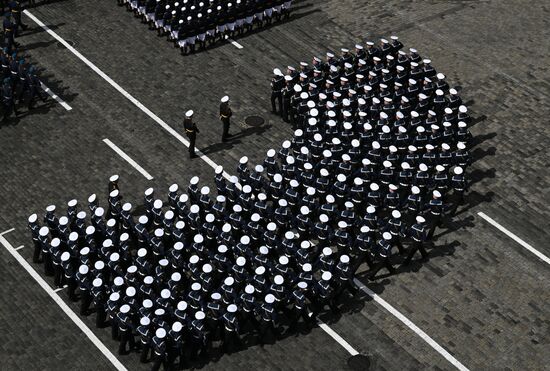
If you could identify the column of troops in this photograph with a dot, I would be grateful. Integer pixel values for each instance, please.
(204, 22)
(280, 242)
(20, 82)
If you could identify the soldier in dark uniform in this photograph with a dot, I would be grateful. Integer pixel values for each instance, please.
(384, 254)
(9, 33)
(268, 318)
(85, 286)
(8, 99)
(277, 85)
(231, 340)
(145, 334)
(159, 350)
(419, 235)
(225, 116)
(16, 9)
(34, 86)
(191, 130)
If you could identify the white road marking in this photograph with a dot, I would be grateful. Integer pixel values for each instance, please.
(128, 159)
(19, 247)
(411, 325)
(338, 338)
(122, 91)
(56, 97)
(57, 299)
(8, 231)
(149, 113)
(236, 44)
(530, 248)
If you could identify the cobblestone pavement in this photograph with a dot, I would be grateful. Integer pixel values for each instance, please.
(481, 296)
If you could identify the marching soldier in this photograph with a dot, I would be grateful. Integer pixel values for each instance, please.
(159, 350)
(146, 335)
(384, 254)
(418, 234)
(231, 340)
(8, 99)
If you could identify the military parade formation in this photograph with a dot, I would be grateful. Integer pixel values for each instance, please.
(20, 83)
(188, 23)
(376, 164)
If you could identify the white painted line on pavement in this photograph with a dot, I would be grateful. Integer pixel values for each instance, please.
(411, 325)
(8, 231)
(19, 247)
(153, 116)
(56, 97)
(57, 299)
(530, 248)
(127, 158)
(122, 91)
(351, 350)
(236, 44)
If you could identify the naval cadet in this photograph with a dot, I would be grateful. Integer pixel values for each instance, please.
(419, 235)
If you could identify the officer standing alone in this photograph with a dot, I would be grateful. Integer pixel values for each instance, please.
(191, 130)
(225, 116)
(277, 85)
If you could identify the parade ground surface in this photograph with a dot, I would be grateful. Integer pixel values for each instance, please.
(479, 303)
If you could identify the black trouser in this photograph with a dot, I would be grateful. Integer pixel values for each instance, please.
(457, 200)
(276, 96)
(250, 319)
(192, 138)
(114, 329)
(231, 341)
(19, 20)
(434, 223)
(396, 241)
(71, 288)
(226, 123)
(160, 359)
(126, 337)
(173, 353)
(363, 256)
(301, 313)
(286, 110)
(48, 265)
(58, 275)
(345, 285)
(417, 246)
(384, 262)
(266, 332)
(36, 253)
(8, 42)
(199, 346)
(85, 301)
(320, 305)
(100, 316)
(9, 106)
(145, 347)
